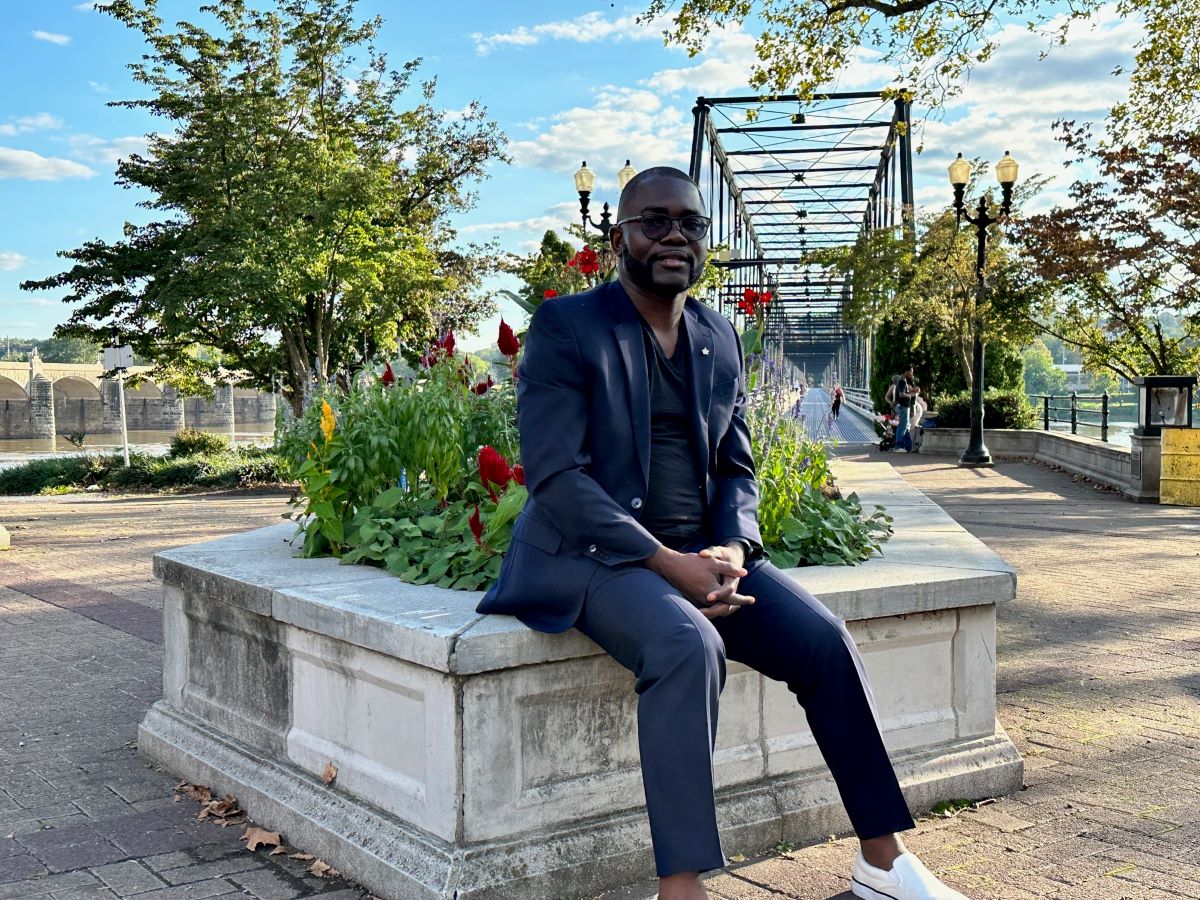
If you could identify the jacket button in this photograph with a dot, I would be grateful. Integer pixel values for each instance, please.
(636, 502)
(592, 549)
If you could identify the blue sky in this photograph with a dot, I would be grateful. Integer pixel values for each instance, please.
(566, 81)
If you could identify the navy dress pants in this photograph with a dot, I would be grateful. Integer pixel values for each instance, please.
(678, 657)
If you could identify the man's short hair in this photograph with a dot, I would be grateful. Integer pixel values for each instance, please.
(629, 194)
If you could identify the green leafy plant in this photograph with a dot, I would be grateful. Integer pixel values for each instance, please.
(191, 441)
(419, 436)
(244, 467)
(1001, 409)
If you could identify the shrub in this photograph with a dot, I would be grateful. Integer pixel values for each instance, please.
(231, 469)
(1001, 409)
(191, 441)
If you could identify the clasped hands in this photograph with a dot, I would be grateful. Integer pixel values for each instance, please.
(708, 579)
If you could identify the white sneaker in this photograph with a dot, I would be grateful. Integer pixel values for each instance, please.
(907, 880)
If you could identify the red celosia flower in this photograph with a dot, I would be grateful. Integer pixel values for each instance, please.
(589, 262)
(518, 473)
(765, 297)
(494, 470)
(481, 387)
(549, 294)
(746, 306)
(388, 378)
(749, 295)
(476, 527)
(507, 342)
(446, 344)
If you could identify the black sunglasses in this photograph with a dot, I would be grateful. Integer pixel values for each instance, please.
(656, 227)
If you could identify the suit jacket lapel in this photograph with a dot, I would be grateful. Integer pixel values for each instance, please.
(628, 332)
(700, 364)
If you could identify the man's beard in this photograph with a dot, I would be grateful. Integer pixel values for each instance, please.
(642, 274)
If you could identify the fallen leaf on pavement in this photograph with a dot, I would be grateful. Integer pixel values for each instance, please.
(319, 868)
(301, 856)
(330, 773)
(278, 850)
(257, 837)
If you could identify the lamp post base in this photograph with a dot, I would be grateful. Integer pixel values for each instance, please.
(976, 459)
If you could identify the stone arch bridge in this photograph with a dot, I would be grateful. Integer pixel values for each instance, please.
(39, 400)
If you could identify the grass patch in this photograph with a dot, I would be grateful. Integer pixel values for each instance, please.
(229, 468)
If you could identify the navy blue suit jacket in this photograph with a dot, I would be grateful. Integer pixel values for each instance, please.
(583, 408)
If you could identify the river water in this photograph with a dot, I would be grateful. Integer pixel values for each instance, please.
(14, 452)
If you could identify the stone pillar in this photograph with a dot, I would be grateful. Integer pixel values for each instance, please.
(1145, 467)
(221, 408)
(41, 408)
(172, 409)
(266, 407)
(110, 406)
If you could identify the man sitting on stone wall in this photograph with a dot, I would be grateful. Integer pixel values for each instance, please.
(641, 531)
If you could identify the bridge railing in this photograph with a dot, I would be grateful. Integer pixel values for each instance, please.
(861, 399)
(1076, 410)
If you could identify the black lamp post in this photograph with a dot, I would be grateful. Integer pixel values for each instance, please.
(585, 180)
(976, 453)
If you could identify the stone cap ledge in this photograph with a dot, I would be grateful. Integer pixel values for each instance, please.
(930, 564)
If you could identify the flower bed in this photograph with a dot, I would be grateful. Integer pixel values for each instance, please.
(420, 474)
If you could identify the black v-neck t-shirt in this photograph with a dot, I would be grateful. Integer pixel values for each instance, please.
(674, 506)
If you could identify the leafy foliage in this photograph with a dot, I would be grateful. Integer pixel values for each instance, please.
(191, 441)
(1041, 375)
(1001, 409)
(1124, 256)
(243, 467)
(932, 45)
(925, 285)
(421, 435)
(300, 210)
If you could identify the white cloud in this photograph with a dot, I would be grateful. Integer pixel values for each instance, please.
(99, 87)
(99, 151)
(584, 29)
(90, 6)
(724, 66)
(51, 37)
(10, 261)
(623, 123)
(557, 217)
(39, 122)
(34, 167)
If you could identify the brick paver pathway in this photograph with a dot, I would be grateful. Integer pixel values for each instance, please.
(1098, 676)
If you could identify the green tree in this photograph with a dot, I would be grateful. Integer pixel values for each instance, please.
(68, 350)
(300, 199)
(926, 284)
(544, 270)
(1041, 375)
(931, 45)
(1123, 257)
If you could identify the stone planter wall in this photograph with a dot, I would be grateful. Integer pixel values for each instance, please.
(479, 759)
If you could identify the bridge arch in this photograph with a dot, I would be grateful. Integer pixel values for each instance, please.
(145, 390)
(75, 388)
(77, 406)
(11, 390)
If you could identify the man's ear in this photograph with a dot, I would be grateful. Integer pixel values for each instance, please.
(616, 237)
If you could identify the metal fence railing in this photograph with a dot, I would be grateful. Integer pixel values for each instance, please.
(1080, 410)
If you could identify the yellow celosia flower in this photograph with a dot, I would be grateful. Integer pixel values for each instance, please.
(327, 421)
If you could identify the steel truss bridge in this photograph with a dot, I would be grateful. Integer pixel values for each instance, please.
(783, 177)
